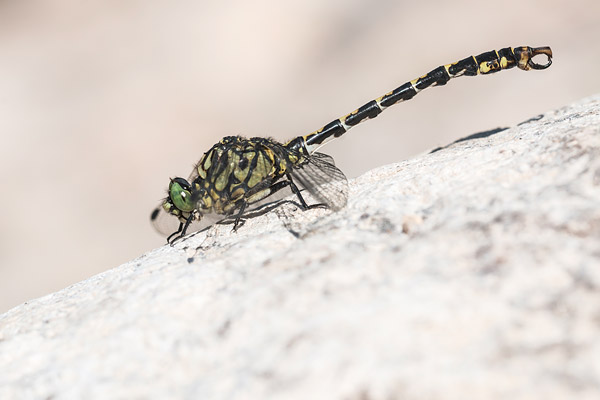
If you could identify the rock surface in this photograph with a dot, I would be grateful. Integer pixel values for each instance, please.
(470, 272)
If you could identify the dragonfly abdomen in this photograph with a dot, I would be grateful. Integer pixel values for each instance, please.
(485, 63)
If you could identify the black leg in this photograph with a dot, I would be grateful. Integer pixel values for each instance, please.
(238, 217)
(181, 231)
(175, 233)
(296, 191)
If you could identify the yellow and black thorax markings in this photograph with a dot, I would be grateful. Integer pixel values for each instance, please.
(485, 63)
(237, 168)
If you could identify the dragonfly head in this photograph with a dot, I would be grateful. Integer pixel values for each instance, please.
(180, 200)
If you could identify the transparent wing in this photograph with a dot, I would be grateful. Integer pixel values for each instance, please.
(166, 223)
(194, 173)
(323, 180)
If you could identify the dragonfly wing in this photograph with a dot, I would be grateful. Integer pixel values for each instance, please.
(323, 180)
(166, 223)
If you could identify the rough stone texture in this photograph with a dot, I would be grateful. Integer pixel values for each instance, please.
(471, 272)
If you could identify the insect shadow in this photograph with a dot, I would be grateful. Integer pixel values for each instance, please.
(478, 135)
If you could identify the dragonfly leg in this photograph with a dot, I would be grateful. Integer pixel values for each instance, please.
(238, 217)
(298, 194)
(180, 233)
(175, 234)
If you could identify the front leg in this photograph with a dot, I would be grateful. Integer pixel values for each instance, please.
(181, 232)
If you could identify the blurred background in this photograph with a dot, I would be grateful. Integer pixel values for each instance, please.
(102, 101)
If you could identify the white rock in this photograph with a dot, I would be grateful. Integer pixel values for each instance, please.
(471, 272)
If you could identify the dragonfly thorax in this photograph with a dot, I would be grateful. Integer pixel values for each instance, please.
(237, 170)
(234, 171)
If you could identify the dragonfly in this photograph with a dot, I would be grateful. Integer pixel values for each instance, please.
(237, 173)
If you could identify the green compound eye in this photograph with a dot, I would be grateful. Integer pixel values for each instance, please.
(181, 197)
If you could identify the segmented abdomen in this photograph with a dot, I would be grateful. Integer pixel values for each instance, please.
(485, 63)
